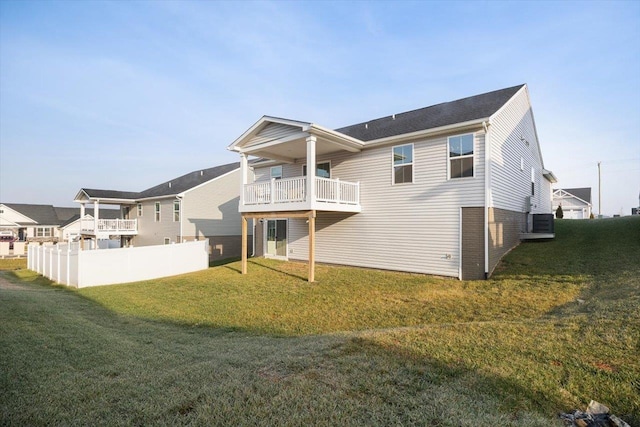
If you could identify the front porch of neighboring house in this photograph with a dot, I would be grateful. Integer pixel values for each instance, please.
(281, 141)
(103, 228)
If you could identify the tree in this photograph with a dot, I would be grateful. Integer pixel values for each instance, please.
(559, 213)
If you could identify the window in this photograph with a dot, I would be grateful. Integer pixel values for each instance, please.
(157, 211)
(323, 170)
(533, 181)
(461, 156)
(176, 211)
(167, 241)
(403, 164)
(139, 209)
(43, 232)
(276, 172)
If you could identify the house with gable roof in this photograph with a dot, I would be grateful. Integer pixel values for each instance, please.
(445, 190)
(575, 202)
(198, 205)
(44, 223)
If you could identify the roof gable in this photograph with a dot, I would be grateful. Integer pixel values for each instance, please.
(583, 194)
(41, 214)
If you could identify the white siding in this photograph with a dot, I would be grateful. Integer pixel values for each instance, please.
(512, 159)
(212, 209)
(271, 132)
(408, 227)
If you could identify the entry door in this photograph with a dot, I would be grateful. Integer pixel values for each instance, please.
(277, 237)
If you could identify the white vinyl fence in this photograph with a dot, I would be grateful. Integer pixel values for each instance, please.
(65, 263)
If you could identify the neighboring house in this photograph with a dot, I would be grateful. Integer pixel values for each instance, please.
(201, 204)
(575, 202)
(445, 190)
(40, 223)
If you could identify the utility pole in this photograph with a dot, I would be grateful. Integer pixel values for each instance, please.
(599, 193)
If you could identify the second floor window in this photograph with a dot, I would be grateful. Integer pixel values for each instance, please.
(403, 164)
(157, 211)
(176, 211)
(461, 156)
(139, 209)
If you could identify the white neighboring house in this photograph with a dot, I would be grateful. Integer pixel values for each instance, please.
(40, 223)
(202, 204)
(446, 190)
(575, 202)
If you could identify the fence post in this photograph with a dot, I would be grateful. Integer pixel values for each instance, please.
(273, 190)
(68, 263)
(59, 252)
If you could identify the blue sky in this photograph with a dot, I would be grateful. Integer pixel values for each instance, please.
(125, 95)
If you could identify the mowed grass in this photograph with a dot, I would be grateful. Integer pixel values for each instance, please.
(557, 326)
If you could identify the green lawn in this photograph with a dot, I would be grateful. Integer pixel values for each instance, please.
(557, 326)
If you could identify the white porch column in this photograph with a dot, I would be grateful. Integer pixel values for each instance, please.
(244, 169)
(96, 210)
(82, 208)
(311, 169)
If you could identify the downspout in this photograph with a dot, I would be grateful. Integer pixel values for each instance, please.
(181, 216)
(487, 194)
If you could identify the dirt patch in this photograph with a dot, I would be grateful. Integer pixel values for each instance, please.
(6, 285)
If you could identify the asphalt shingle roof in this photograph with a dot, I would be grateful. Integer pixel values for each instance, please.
(51, 215)
(581, 193)
(447, 113)
(168, 188)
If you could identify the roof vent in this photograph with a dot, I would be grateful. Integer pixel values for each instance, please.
(201, 173)
(393, 117)
(366, 125)
(169, 185)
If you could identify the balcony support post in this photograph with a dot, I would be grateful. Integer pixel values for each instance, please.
(311, 170)
(244, 166)
(244, 244)
(312, 244)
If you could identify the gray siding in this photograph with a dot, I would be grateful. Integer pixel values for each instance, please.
(151, 232)
(212, 208)
(408, 227)
(510, 183)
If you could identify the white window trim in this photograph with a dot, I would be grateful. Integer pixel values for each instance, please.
(157, 212)
(176, 203)
(473, 136)
(304, 165)
(413, 165)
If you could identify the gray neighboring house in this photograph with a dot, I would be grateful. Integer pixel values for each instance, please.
(444, 190)
(198, 205)
(576, 202)
(42, 223)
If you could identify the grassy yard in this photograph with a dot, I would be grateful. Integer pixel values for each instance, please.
(557, 326)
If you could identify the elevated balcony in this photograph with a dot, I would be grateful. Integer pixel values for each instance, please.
(109, 227)
(291, 194)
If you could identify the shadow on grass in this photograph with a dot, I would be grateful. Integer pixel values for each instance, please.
(268, 267)
(368, 382)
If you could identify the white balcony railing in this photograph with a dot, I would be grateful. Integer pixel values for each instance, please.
(111, 226)
(293, 190)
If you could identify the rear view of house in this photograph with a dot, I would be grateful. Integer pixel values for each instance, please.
(445, 190)
(198, 205)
